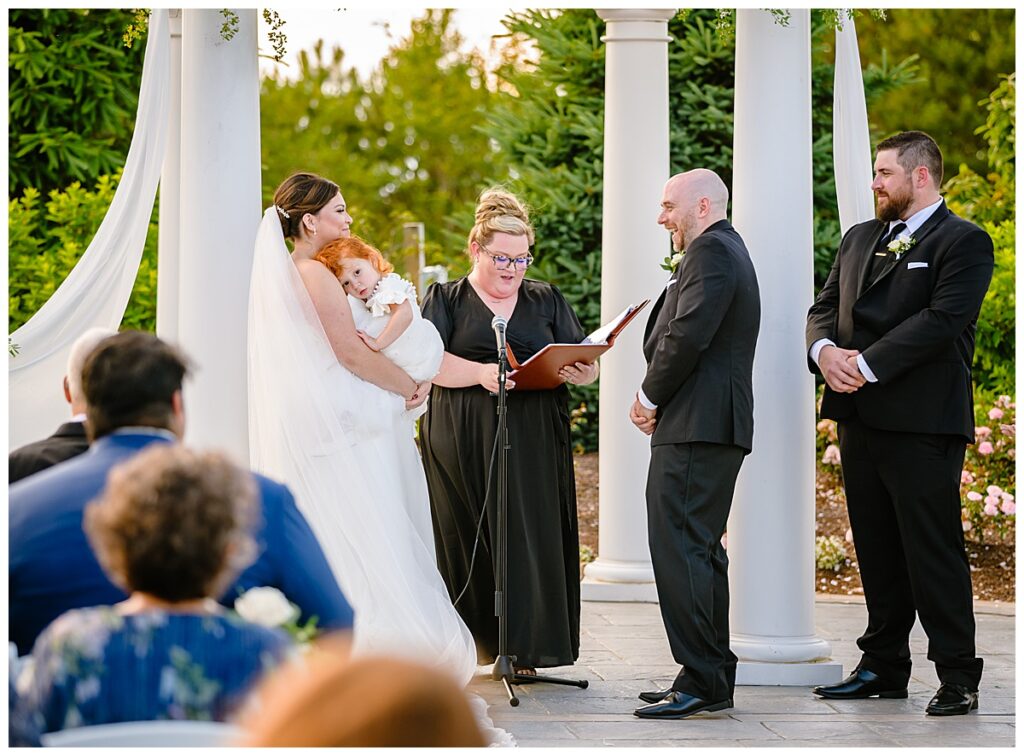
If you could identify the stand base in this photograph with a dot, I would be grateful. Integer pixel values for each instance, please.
(504, 671)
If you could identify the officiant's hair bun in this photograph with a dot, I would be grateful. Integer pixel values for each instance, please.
(299, 194)
(498, 210)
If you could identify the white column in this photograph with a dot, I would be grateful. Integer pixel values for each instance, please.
(168, 249)
(771, 528)
(636, 166)
(220, 209)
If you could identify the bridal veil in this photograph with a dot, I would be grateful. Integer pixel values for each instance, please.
(343, 448)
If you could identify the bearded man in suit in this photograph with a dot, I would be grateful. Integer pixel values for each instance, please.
(697, 404)
(892, 332)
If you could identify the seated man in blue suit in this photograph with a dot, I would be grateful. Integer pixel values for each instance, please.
(132, 384)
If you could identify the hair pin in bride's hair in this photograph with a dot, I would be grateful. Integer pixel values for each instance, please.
(283, 213)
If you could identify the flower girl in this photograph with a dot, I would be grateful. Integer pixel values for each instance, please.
(386, 316)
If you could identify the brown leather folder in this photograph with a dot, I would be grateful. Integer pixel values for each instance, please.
(541, 371)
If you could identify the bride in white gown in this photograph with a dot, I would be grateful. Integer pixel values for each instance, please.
(341, 442)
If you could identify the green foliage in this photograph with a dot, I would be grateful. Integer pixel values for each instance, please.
(989, 201)
(989, 478)
(72, 98)
(46, 239)
(137, 28)
(229, 27)
(278, 39)
(962, 53)
(406, 145)
(995, 340)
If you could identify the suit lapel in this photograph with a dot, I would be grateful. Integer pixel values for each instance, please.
(653, 317)
(865, 262)
(933, 222)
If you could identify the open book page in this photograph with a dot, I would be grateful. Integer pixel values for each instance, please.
(600, 336)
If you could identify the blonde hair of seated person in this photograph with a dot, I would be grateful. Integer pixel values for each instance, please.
(329, 699)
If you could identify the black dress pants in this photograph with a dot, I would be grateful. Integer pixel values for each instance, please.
(689, 495)
(903, 497)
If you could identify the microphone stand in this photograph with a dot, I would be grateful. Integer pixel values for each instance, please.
(503, 665)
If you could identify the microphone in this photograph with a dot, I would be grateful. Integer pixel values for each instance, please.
(498, 326)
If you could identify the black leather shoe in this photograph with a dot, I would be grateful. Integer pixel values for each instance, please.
(863, 683)
(653, 696)
(952, 699)
(678, 705)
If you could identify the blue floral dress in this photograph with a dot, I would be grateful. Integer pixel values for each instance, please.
(96, 666)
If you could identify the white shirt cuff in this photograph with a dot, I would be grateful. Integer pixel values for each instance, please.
(647, 403)
(865, 370)
(817, 346)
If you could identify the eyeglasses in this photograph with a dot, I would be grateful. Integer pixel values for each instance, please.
(504, 262)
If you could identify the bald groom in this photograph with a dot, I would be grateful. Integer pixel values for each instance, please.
(697, 404)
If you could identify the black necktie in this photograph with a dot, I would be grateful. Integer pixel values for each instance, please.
(898, 229)
(881, 257)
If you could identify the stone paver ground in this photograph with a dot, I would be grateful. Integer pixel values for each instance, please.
(624, 650)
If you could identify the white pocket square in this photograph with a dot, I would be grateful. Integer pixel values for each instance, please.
(670, 284)
(911, 266)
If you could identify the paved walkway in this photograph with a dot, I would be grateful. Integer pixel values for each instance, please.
(624, 650)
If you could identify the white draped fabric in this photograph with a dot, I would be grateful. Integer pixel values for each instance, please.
(347, 452)
(96, 291)
(850, 138)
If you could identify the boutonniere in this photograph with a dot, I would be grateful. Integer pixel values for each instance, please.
(671, 263)
(901, 244)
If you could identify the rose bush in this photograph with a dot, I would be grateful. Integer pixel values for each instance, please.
(988, 481)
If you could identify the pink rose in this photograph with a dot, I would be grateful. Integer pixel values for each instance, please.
(1007, 496)
(985, 448)
(991, 509)
(974, 496)
(1004, 400)
(967, 525)
(1009, 507)
(831, 455)
(966, 478)
(991, 501)
(995, 413)
(982, 431)
(994, 490)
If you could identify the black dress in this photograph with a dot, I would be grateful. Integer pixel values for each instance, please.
(457, 438)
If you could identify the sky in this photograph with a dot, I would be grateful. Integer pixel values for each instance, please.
(363, 32)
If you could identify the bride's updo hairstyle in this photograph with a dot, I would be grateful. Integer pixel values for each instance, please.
(498, 210)
(299, 194)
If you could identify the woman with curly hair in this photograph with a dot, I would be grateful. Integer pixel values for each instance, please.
(173, 529)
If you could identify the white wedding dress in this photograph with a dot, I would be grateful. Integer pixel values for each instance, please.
(346, 451)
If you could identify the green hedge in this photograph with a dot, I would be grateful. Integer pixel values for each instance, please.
(47, 238)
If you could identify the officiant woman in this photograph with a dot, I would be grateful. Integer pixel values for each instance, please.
(458, 433)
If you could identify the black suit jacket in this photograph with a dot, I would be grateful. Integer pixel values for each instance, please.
(69, 441)
(914, 325)
(699, 344)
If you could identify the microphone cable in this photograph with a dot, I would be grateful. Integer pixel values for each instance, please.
(479, 522)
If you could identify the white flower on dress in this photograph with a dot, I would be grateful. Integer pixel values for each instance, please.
(266, 606)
